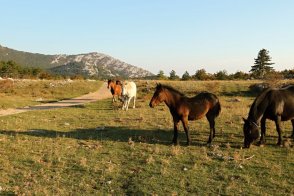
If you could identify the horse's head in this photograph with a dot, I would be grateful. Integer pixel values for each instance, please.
(251, 132)
(109, 83)
(124, 87)
(118, 82)
(158, 96)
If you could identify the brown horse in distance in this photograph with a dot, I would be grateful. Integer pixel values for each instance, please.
(184, 108)
(115, 89)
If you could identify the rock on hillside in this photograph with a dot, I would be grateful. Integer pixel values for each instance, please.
(96, 64)
(90, 64)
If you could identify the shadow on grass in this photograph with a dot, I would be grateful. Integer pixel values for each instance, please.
(117, 134)
(125, 134)
(222, 139)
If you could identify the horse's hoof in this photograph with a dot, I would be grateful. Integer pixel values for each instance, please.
(280, 144)
(261, 143)
(208, 145)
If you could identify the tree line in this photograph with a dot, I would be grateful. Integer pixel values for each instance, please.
(261, 69)
(10, 69)
(202, 74)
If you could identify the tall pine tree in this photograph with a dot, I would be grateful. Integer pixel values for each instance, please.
(262, 64)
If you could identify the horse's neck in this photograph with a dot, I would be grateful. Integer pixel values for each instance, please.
(257, 109)
(171, 99)
(114, 86)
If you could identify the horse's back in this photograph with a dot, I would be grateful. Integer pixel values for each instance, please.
(278, 102)
(206, 96)
(130, 89)
(202, 104)
(285, 94)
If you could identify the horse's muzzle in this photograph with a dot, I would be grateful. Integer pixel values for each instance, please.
(151, 105)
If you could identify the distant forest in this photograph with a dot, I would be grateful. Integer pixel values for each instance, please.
(10, 69)
(201, 74)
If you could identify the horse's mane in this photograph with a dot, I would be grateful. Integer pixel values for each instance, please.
(257, 101)
(172, 89)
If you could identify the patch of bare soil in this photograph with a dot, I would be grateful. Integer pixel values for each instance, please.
(102, 93)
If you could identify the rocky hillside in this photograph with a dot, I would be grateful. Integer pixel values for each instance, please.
(90, 64)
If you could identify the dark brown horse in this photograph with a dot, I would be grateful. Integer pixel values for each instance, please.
(115, 89)
(273, 104)
(184, 108)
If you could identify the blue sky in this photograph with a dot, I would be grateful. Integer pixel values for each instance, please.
(180, 35)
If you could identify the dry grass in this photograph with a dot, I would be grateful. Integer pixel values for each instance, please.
(67, 151)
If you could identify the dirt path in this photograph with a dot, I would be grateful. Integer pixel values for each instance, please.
(102, 93)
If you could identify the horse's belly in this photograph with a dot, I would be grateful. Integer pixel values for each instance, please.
(285, 116)
(195, 116)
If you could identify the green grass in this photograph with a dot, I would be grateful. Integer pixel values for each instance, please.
(21, 93)
(99, 149)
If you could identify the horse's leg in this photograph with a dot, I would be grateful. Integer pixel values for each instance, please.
(186, 128)
(176, 129)
(212, 128)
(263, 130)
(124, 103)
(292, 128)
(278, 127)
(128, 102)
(134, 106)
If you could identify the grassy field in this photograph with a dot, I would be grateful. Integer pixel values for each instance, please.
(98, 149)
(21, 93)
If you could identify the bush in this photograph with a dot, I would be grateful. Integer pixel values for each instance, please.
(258, 88)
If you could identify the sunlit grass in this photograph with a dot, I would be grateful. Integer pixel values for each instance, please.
(99, 149)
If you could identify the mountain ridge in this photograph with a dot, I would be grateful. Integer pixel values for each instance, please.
(91, 64)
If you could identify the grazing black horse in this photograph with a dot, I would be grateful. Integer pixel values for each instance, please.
(273, 104)
(184, 108)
